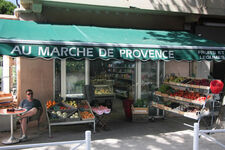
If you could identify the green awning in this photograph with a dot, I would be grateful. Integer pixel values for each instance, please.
(30, 39)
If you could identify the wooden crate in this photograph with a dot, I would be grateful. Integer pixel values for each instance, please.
(139, 110)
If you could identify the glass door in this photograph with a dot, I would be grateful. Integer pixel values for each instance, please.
(148, 78)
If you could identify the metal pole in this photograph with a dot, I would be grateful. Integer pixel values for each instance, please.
(196, 138)
(88, 140)
(212, 131)
(213, 140)
(40, 145)
(158, 74)
(11, 119)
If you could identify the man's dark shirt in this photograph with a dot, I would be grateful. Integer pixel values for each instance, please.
(30, 104)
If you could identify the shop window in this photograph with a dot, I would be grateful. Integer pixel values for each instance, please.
(148, 78)
(57, 78)
(75, 76)
(13, 76)
(161, 71)
(113, 77)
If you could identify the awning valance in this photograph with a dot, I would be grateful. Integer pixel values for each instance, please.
(30, 39)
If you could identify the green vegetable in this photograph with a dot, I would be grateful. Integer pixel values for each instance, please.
(141, 103)
(164, 88)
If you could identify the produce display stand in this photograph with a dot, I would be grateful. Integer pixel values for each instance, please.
(69, 121)
(101, 120)
(206, 107)
(156, 114)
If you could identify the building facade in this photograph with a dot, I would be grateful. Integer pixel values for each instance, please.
(204, 18)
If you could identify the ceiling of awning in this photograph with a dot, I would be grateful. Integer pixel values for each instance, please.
(29, 33)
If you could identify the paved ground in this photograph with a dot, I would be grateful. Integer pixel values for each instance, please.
(168, 134)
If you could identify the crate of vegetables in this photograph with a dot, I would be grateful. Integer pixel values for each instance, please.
(61, 107)
(57, 116)
(74, 116)
(140, 107)
(87, 115)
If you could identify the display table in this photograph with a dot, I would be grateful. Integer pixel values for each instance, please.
(70, 123)
(12, 139)
(65, 116)
(101, 114)
(101, 121)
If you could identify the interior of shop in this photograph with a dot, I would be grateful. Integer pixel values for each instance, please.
(114, 82)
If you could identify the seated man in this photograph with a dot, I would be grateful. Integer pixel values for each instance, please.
(32, 105)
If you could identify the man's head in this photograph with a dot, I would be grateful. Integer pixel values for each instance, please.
(29, 93)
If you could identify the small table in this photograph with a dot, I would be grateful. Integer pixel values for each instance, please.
(100, 120)
(12, 139)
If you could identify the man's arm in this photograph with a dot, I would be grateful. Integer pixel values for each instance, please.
(21, 104)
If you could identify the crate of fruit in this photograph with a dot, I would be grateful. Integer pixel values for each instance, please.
(72, 103)
(87, 115)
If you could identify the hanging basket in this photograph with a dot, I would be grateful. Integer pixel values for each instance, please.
(216, 86)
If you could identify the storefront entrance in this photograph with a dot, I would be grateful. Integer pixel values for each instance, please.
(219, 71)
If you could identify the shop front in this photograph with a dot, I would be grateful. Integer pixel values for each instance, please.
(118, 63)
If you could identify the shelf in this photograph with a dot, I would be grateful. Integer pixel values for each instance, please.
(147, 83)
(102, 85)
(177, 98)
(188, 85)
(123, 87)
(122, 67)
(120, 95)
(6, 99)
(104, 95)
(123, 79)
(120, 72)
(190, 115)
(146, 93)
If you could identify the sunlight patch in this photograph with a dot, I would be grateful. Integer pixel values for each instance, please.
(159, 139)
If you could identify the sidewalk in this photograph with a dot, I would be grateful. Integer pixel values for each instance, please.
(168, 134)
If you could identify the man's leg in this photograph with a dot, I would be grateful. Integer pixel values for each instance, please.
(30, 113)
(24, 126)
(24, 117)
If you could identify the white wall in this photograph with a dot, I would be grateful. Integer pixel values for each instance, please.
(5, 76)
